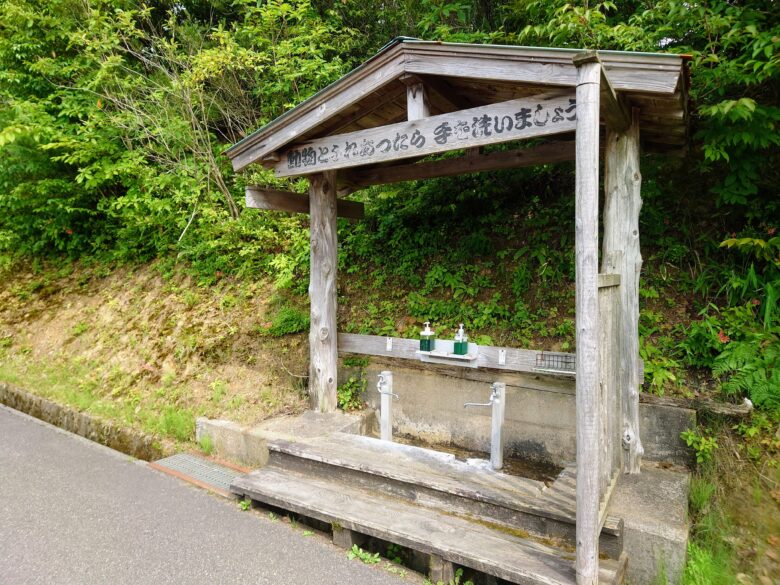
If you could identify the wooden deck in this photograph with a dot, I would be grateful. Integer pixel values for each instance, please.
(514, 528)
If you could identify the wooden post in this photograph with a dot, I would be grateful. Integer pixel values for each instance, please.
(587, 318)
(323, 342)
(621, 254)
(417, 106)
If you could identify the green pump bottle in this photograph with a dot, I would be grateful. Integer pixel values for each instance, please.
(427, 339)
(461, 342)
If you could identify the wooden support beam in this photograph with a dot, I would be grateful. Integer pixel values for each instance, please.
(613, 108)
(587, 321)
(554, 152)
(417, 106)
(621, 255)
(276, 200)
(323, 333)
(528, 117)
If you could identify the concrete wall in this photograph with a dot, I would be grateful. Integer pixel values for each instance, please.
(540, 411)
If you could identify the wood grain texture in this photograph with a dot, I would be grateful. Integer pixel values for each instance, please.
(276, 200)
(323, 332)
(621, 254)
(555, 152)
(587, 321)
(448, 536)
(544, 114)
(651, 77)
(417, 106)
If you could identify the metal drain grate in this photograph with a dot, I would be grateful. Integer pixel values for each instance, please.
(200, 471)
(548, 361)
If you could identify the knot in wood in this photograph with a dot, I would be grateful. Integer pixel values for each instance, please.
(324, 333)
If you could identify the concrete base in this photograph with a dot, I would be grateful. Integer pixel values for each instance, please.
(248, 445)
(654, 509)
(540, 412)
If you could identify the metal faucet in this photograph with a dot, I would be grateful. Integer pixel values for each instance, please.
(498, 404)
(385, 380)
(385, 388)
(494, 396)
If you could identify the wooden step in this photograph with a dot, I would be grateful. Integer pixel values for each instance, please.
(440, 481)
(447, 536)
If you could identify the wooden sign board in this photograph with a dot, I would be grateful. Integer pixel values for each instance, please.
(528, 117)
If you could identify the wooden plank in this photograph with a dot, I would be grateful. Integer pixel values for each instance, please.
(587, 321)
(276, 200)
(540, 115)
(607, 280)
(323, 333)
(621, 254)
(701, 404)
(453, 538)
(547, 71)
(555, 152)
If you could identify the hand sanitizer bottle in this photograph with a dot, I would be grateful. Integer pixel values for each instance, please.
(461, 342)
(427, 341)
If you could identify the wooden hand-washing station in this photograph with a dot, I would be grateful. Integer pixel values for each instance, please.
(414, 99)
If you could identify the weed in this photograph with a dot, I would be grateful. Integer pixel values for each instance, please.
(218, 390)
(700, 495)
(79, 329)
(206, 444)
(350, 393)
(358, 553)
(245, 504)
(272, 517)
(176, 423)
(287, 321)
(703, 445)
(307, 533)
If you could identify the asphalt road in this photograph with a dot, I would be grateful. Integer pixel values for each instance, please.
(72, 511)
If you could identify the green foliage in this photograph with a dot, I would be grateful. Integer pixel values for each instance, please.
(702, 444)
(350, 393)
(752, 367)
(206, 444)
(358, 553)
(244, 504)
(288, 320)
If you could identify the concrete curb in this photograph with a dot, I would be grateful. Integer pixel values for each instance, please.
(133, 443)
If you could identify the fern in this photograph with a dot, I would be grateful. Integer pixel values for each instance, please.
(752, 367)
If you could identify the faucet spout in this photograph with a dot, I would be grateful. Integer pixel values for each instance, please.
(467, 404)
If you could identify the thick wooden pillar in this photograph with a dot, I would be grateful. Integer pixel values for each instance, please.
(587, 318)
(621, 255)
(323, 346)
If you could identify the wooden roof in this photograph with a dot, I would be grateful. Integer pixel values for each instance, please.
(460, 76)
